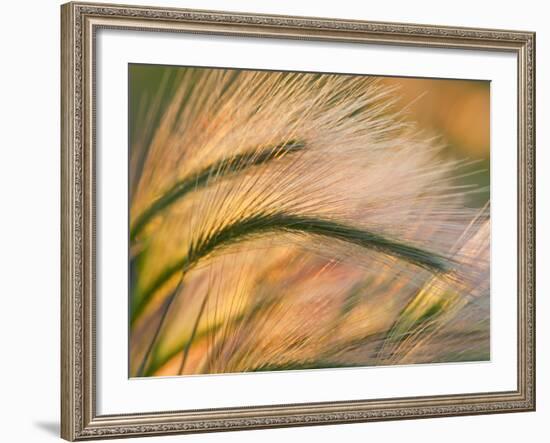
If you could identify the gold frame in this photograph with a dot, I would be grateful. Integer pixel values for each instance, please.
(79, 22)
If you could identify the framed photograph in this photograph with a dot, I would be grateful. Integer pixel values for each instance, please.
(282, 221)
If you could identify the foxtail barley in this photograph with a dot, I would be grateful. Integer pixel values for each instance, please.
(290, 221)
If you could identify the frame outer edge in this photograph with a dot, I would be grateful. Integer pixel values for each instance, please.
(533, 132)
(68, 386)
(526, 222)
(530, 128)
(78, 420)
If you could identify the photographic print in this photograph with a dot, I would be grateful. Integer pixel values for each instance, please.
(272, 221)
(291, 220)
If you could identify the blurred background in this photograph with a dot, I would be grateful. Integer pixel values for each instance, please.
(459, 112)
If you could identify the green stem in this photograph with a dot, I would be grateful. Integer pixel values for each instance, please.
(215, 171)
(163, 316)
(281, 222)
(193, 333)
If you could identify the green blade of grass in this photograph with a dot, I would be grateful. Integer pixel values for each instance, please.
(262, 224)
(216, 171)
(210, 330)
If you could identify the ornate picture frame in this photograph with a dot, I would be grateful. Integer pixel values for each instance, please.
(80, 23)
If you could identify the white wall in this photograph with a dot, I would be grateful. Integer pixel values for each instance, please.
(29, 220)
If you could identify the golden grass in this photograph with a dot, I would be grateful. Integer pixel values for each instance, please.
(288, 221)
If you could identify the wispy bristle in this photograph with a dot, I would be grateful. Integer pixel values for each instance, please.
(208, 175)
